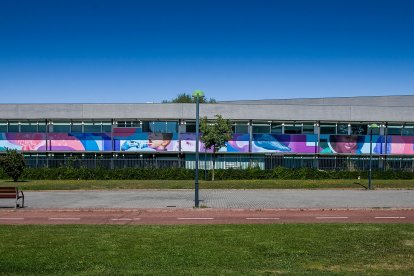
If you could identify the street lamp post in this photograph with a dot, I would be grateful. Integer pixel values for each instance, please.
(372, 126)
(197, 94)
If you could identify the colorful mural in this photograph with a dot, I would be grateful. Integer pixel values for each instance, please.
(23, 141)
(344, 143)
(188, 143)
(79, 142)
(300, 143)
(56, 141)
(351, 144)
(132, 139)
(238, 143)
(400, 145)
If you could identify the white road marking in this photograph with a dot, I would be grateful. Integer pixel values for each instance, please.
(64, 218)
(332, 217)
(263, 218)
(195, 218)
(390, 217)
(12, 218)
(125, 219)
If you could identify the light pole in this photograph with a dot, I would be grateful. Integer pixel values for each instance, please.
(372, 126)
(197, 94)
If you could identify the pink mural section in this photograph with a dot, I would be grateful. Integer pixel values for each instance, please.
(56, 141)
(400, 144)
(23, 141)
(188, 143)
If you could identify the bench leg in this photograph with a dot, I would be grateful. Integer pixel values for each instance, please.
(22, 198)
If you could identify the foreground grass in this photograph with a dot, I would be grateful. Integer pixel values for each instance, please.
(219, 184)
(384, 249)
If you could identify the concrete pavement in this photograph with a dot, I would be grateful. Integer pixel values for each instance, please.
(225, 199)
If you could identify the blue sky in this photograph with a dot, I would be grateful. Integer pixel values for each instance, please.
(147, 51)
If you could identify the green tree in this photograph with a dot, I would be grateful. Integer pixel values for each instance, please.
(187, 98)
(13, 164)
(215, 134)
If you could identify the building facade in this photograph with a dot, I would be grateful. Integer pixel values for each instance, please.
(326, 133)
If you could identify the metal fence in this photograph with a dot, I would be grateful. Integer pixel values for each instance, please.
(107, 163)
(351, 163)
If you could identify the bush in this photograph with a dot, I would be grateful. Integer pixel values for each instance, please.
(13, 164)
(187, 174)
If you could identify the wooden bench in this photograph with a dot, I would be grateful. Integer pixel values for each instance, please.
(14, 193)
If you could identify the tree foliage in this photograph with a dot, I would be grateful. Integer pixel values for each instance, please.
(13, 164)
(215, 134)
(187, 98)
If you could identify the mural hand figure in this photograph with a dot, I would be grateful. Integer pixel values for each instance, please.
(269, 142)
(132, 144)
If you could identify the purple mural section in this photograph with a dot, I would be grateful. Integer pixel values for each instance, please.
(298, 143)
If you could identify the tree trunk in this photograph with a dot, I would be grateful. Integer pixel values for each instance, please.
(205, 164)
(214, 164)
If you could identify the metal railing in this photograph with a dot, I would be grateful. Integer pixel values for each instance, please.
(349, 163)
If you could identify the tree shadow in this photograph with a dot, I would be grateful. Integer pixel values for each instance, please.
(359, 184)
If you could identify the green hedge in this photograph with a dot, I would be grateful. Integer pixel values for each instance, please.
(307, 173)
(185, 174)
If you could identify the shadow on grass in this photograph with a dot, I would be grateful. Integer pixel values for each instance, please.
(18, 181)
(359, 184)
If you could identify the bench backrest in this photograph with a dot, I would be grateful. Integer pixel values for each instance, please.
(8, 192)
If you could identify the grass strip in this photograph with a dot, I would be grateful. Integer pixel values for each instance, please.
(359, 249)
(219, 184)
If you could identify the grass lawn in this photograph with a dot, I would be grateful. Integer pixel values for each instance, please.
(219, 184)
(315, 249)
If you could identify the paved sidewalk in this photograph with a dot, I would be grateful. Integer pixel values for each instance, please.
(243, 199)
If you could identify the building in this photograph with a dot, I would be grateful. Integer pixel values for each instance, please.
(325, 133)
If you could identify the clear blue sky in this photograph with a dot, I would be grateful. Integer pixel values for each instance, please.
(148, 51)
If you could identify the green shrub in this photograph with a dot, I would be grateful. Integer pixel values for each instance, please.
(187, 174)
(13, 164)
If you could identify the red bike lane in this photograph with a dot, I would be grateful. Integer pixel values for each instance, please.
(171, 216)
